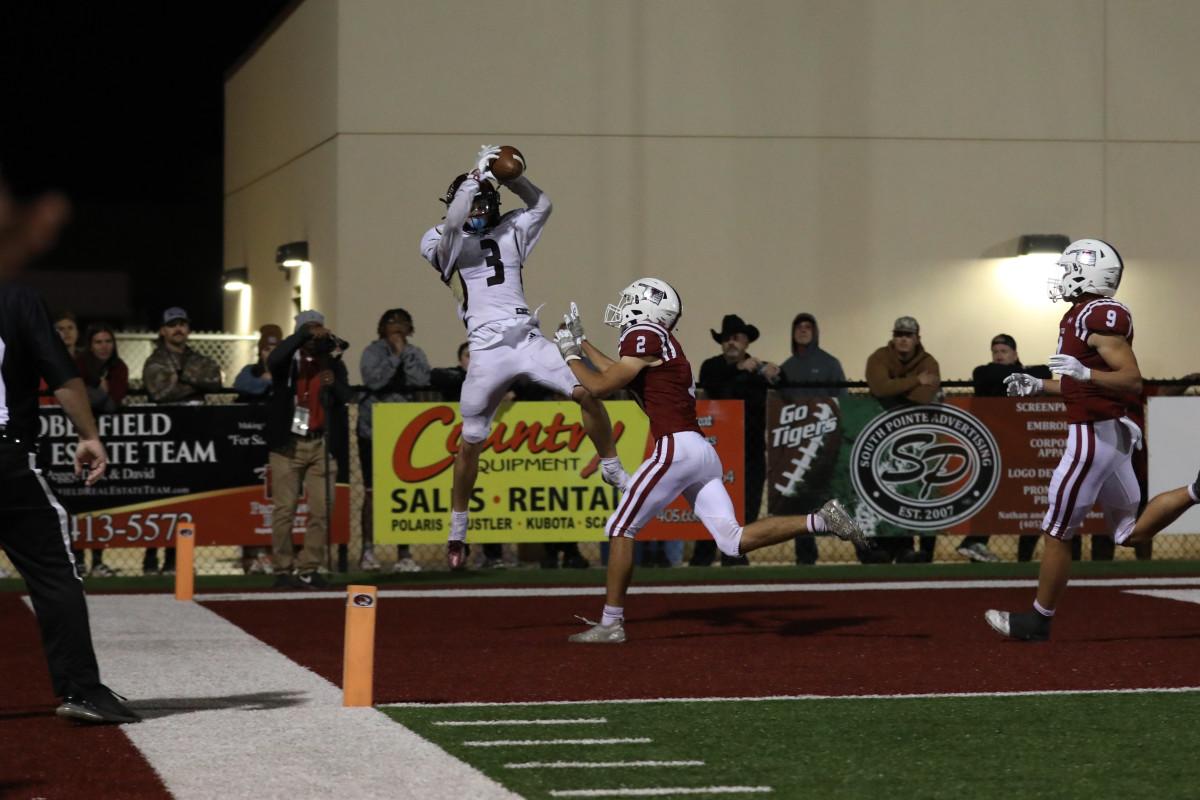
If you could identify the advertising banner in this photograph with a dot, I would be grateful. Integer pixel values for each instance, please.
(539, 476)
(971, 465)
(169, 464)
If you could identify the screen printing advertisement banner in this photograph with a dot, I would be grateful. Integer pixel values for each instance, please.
(971, 465)
(539, 476)
(169, 464)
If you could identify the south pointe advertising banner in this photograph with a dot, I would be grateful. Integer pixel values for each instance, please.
(969, 466)
(169, 464)
(539, 476)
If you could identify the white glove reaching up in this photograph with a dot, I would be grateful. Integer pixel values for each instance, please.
(567, 346)
(575, 324)
(483, 161)
(1070, 366)
(1022, 385)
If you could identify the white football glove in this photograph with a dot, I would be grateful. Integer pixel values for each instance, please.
(567, 346)
(1069, 366)
(483, 161)
(575, 324)
(1022, 385)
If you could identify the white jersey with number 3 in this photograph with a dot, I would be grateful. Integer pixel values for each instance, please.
(484, 269)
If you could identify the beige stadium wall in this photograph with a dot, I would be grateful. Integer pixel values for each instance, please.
(860, 160)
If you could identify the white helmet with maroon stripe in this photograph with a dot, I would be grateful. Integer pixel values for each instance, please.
(1089, 266)
(645, 300)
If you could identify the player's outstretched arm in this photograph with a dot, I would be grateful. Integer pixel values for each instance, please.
(603, 383)
(1126, 376)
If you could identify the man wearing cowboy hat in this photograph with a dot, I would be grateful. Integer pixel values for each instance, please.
(737, 375)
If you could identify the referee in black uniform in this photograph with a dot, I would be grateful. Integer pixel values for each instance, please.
(33, 525)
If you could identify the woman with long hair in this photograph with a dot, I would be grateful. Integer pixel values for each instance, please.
(106, 378)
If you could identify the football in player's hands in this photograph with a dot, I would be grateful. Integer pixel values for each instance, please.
(508, 165)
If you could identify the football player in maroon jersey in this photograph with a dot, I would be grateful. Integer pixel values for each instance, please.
(1101, 384)
(652, 366)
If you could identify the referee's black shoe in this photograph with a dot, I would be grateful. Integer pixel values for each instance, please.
(96, 705)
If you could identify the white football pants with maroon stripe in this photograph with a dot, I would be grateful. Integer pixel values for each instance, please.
(1097, 466)
(682, 463)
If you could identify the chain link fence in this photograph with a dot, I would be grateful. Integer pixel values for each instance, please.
(233, 351)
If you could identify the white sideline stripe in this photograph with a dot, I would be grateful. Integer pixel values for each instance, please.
(660, 791)
(708, 588)
(580, 721)
(219, 705)
(600, 764)
(933, 695)
(1183, 595)
(536, 742)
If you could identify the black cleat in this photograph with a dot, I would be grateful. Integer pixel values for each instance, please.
(285, 580)
(96, 705)
(311, 580)
(1027, 626)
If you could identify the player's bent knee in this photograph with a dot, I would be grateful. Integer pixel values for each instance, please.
(475, 430)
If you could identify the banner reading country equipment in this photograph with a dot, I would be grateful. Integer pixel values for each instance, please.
(169, 464)
(539, 477)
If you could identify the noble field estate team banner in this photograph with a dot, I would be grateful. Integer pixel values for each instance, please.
(170, 464)
(539, 476)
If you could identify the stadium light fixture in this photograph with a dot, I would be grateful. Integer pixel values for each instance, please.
(236, 279)
(1031, 243)
(291, 255)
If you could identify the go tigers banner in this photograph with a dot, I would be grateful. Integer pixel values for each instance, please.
(969, 466)
(539, 476)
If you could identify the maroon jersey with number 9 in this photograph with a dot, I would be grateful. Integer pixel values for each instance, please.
(666, 392)
(1086, 401)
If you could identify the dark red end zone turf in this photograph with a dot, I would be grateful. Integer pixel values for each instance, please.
(741, 645)
(44, 756)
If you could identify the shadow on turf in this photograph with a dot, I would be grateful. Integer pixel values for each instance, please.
(758, 619)
(260, 701)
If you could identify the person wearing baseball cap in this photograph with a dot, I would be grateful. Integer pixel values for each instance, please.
(175, 373)
(903, 373)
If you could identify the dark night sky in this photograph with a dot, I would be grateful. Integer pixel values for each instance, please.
(119, 105)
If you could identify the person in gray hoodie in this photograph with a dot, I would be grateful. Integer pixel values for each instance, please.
(809, 363)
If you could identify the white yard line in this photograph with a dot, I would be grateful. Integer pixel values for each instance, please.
(946, 695)
(227, 716)
(469, 722)
(600, 764)
(661, 791)
(539, 742)
(720, 588)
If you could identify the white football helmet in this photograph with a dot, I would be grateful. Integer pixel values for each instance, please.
(1089, 266)
(647, 299)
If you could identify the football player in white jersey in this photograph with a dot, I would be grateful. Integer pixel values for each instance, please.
(479, 255)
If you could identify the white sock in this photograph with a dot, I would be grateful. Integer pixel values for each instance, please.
(1041, 610)
(816, 523)
(458, 526)
(612, 615)
(1194, 492)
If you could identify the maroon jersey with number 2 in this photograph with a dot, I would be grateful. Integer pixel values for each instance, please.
(665, 392)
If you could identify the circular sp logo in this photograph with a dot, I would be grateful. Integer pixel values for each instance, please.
(925, 467)
(363, 600)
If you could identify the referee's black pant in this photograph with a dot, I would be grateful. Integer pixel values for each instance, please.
(35, 533)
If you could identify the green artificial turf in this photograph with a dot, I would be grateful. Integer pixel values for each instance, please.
(1095, 746)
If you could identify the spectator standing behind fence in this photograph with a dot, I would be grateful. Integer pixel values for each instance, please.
(175, 373)
(254, 385)
(68, 331)
(106, 380)
(392, 368)
(810, 364)
(988, 381)
(311, 389)
(903, 373)
(737, 375)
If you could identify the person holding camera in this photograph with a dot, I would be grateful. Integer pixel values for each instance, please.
(737, 375)
(305, 429)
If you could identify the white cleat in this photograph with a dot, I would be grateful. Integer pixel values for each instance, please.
(840, 525)
(602, 634)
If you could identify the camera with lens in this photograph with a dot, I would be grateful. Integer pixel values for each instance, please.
(328, 345)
